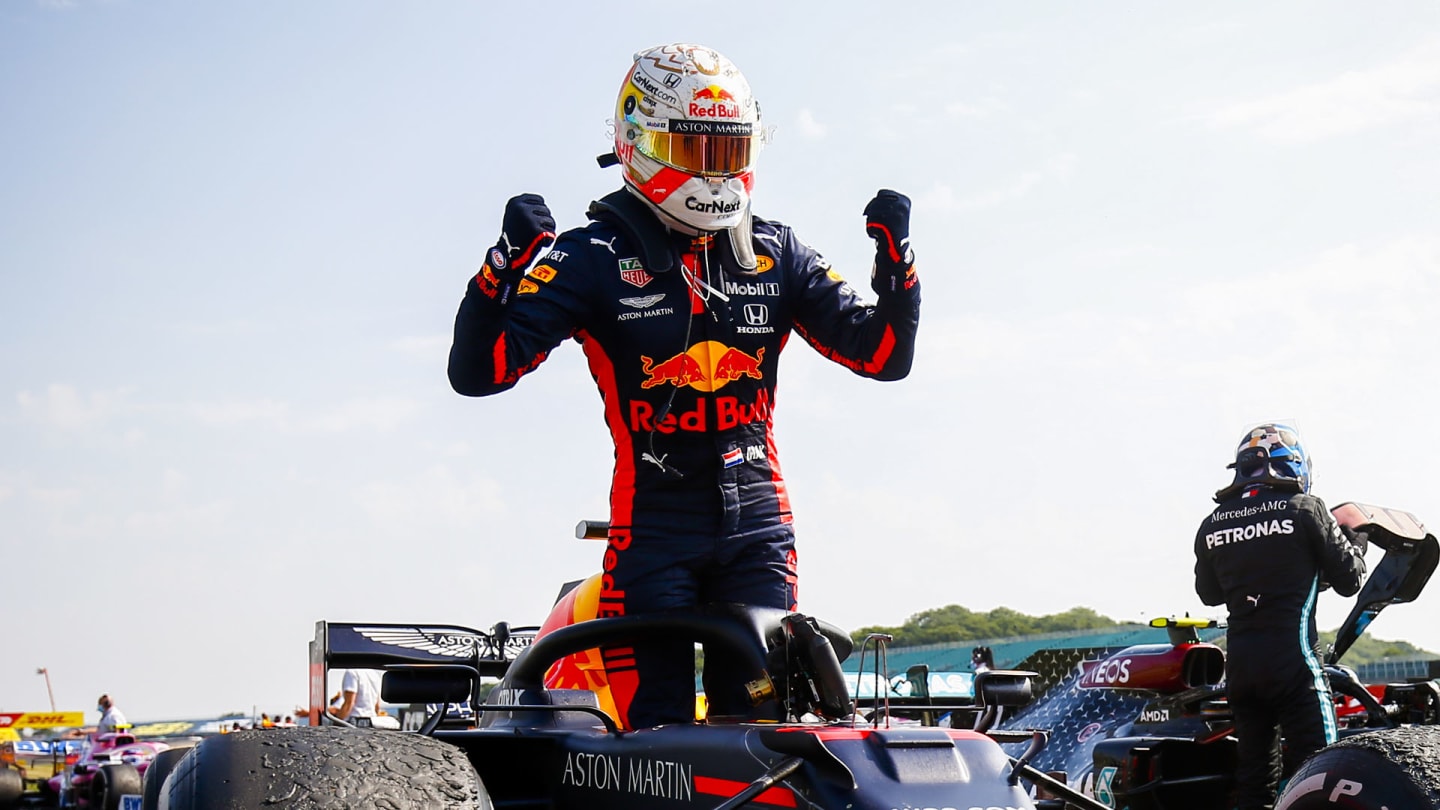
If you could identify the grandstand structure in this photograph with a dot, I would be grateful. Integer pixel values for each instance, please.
(1010, 652)
(1037, 652)
(1400, 670)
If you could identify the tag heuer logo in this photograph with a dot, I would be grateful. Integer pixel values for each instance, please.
(634, 273)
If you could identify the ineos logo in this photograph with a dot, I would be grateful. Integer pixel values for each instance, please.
(1112, 672)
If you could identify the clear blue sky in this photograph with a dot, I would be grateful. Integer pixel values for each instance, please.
(233, 237)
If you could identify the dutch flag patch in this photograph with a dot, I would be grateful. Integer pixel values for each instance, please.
(733, 457)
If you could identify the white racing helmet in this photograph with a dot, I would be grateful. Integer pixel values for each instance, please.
(686, 133)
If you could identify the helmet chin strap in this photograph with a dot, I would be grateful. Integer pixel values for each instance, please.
(742, 246)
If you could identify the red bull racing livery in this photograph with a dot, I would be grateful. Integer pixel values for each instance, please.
(685, 362)
(684, 348)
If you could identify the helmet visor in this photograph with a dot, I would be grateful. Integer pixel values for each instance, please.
(706, 155)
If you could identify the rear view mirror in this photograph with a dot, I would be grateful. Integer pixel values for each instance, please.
(1004, 687)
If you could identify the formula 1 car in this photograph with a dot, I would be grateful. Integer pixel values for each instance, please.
(109, 767)
(26, 767)
(533, 745)
(1148, 728)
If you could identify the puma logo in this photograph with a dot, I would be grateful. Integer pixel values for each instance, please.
(610, 246)
(1253, 600)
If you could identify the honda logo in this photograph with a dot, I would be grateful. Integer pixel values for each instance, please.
(757, 314)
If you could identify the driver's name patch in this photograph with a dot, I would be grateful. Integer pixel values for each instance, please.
(641, 776)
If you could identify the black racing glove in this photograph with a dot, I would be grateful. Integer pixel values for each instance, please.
(1359, 539)
(527, 229)
(887, 221)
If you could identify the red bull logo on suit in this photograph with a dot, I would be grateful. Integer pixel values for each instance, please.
(722, 413)
(706, 366)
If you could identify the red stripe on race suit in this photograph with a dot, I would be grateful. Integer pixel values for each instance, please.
(782, 495)
(782, 500)
(872, 366)
(882, 353)
(619, 662)
(690, 261)
(499, 354)
(622, 486)
(497, 359)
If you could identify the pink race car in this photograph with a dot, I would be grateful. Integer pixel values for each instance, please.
(110, 766)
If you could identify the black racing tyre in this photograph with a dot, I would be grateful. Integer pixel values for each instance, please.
(12, 787)
(111, 782)
(1373, 770)
(160, 767)
(321, 768)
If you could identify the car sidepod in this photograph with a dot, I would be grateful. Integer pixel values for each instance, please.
(822, 767)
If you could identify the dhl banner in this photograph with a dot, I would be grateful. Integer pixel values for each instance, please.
(41, 719)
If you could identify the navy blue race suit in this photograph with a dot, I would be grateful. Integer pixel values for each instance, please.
(1264, 554)
(685, 362)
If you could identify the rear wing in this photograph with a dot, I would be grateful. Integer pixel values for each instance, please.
(1411, 555)
(414, 649)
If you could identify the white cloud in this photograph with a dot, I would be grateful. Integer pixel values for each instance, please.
(227, 414)
(63, 407)
(55, 497)
(378, 413)
(810, 129)
(1352, 304)
(985, 108)
(424, 347)
(436, 497)
(194, 521)
(942, 197)
(1396, 93)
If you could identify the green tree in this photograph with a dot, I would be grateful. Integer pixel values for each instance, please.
(956, 623)
(1368, 650)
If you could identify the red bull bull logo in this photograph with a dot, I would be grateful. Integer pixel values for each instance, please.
(734, 364)
(706, 366)
(713, 101)
(682, 369)
(713, 93)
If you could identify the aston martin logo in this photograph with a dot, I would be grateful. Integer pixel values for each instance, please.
(643, 301)
(438, 642)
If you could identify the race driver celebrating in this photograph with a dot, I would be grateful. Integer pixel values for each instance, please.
(1265, 553)
(682, 301)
